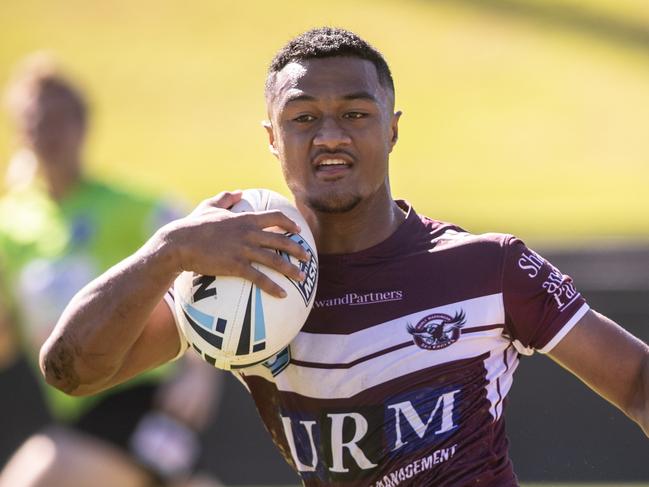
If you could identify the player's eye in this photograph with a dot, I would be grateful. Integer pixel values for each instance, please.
(355, 115)
(304, 118)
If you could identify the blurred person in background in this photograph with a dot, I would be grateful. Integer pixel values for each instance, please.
(59, 229)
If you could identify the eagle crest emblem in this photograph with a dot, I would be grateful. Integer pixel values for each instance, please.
(437, 331)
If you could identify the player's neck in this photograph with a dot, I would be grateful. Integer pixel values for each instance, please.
(60, 179)
(368, 224)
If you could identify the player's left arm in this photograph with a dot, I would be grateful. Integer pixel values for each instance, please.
(611, 361)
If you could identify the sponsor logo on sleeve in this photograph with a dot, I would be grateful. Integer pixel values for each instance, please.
(557, 285)
(561, 289)
(531, 262)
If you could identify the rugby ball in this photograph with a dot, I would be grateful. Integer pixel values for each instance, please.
(231, 322)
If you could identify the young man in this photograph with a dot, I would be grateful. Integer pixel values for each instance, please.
(59, 229)
(399, 375)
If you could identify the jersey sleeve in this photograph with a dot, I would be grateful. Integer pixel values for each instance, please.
(541, 303)
(169, 299)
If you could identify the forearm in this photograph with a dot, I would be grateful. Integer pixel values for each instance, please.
(611, 361)
(105, 319)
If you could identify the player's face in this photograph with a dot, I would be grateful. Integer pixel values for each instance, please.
(332, 127)
(51, 127)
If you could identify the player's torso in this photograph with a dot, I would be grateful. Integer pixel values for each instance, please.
(400, 373)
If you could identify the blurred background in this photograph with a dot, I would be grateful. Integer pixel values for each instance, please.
(522, 116)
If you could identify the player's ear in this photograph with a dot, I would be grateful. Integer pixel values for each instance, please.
(394, 128)
(271, 137)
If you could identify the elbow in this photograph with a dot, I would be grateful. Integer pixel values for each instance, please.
(57, 364)
(65, 368)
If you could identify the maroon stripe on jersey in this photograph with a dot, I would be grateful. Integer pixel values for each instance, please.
(317, 365)
(477, 329)
(171, 295)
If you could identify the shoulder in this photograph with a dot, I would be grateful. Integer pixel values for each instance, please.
(451, 242)
(446, 236)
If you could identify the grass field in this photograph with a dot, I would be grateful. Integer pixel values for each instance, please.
(528, 116)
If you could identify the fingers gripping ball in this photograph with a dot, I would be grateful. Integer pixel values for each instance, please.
(231, 322)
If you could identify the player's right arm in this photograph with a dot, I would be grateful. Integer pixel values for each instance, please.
(118, 325)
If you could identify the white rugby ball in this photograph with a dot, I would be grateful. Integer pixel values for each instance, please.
(232, 323)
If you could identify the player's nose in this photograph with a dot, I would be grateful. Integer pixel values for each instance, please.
(331, 134)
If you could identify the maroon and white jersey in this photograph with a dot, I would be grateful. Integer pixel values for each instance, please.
(399, 377)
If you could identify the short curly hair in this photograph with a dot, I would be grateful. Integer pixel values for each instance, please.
(323, 42)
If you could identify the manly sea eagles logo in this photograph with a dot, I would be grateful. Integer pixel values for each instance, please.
(437, 331)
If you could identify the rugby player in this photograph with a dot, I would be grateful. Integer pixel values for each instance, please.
(399, 376)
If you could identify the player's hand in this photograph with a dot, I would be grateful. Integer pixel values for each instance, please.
(217, 242)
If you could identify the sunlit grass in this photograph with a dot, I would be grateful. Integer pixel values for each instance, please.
(509, 124)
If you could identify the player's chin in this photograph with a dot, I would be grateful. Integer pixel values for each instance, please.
(333, 202)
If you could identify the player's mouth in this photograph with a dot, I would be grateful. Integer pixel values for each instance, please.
(330, 166)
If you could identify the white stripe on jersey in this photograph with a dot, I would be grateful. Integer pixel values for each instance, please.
(343, 349)
(326, 378)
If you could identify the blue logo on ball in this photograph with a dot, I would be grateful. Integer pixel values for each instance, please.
(310, 269)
